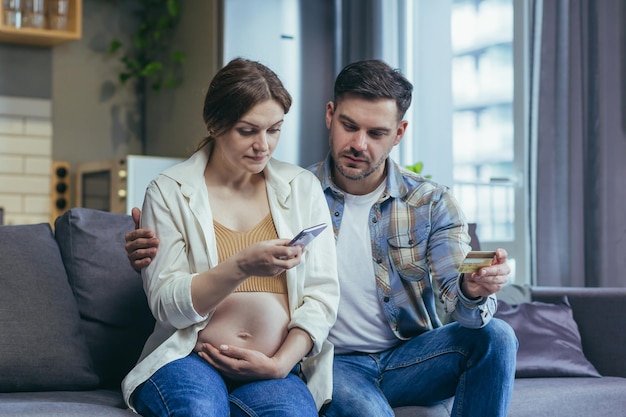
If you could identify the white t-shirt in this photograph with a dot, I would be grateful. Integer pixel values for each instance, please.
(361, 324)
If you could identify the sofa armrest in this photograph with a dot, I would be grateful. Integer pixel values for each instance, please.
(600, 314)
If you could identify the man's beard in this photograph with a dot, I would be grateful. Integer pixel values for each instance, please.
(350, 174)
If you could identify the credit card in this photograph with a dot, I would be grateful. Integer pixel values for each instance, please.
(476, 260)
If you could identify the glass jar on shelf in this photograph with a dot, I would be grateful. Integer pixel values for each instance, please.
(34, 14)
(12, 13)
(58, 11)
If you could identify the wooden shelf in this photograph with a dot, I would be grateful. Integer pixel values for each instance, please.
(45, 37)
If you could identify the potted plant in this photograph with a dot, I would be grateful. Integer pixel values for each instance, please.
(147, 59)
(417, 168)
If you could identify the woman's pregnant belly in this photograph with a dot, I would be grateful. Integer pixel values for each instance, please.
(251, 320)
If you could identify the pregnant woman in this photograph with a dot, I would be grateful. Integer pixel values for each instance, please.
(241, 317)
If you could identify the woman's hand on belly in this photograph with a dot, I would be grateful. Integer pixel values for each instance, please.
(247, 338)
(242, 364)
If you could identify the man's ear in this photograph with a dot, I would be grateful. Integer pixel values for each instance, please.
(401, 131)
(330, 111)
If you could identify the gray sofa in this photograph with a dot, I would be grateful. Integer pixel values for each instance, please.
(73, 318)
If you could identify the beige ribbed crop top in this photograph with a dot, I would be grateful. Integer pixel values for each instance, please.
(230, 242)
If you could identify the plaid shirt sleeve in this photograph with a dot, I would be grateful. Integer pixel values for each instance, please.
(448, 245)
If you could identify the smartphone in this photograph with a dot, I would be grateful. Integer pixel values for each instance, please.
(475, 260)
(307, 235)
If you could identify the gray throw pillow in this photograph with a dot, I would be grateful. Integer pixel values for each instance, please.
(515, 294)
(549, 340)
(41, 346)
(114, 311)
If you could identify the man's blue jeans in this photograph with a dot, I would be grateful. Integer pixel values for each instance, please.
(190, 387)
(477, 366)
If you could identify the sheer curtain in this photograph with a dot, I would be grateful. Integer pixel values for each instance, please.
(579, 142)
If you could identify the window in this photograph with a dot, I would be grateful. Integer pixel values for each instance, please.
(466, 59)
(482, 114)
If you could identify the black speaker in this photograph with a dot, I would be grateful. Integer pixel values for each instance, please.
(59, 189)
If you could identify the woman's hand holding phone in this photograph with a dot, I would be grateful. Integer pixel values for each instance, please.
(307, 235)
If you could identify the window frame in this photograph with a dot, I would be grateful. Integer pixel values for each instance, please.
(420, 46)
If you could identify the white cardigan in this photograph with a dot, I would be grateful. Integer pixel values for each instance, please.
(176, 208)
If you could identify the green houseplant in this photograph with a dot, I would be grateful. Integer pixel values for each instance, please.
(148, 60)
(417, 168)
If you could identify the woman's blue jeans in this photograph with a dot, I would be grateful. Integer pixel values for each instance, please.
(476, 366)
(190, 387)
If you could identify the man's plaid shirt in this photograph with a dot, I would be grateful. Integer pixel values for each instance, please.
(420, 239)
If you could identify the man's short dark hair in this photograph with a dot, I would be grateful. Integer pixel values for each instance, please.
(374, 79)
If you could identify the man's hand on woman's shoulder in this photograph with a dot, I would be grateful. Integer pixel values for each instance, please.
(141, 244)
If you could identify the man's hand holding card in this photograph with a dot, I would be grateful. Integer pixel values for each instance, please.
(484, 273)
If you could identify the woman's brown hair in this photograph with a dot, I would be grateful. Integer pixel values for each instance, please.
(235, 89)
